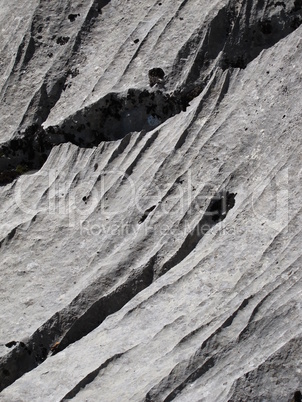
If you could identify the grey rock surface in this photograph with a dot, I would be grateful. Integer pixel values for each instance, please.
(150, 199)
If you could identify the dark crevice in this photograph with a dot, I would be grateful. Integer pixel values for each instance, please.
(233, 38)
(107, 305)
(206, 366)
(264, 29)
(109, 119)
(91, 18)
(116, 115)
(146, 214)
(195, 366)
(85, 313)
(19, 155)
(216, 212)
(89, 378)
(297, 396)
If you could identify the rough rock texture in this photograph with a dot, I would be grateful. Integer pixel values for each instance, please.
(150, 199)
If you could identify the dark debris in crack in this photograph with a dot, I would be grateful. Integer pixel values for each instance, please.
(109, 119)
(235, 36)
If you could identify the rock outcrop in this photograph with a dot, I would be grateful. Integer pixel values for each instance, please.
(150, 198)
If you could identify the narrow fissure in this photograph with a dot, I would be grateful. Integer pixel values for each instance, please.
(216, 212)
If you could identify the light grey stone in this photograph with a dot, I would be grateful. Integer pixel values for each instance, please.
(150, 235)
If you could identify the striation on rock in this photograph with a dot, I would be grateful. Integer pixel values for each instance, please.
(150, 199)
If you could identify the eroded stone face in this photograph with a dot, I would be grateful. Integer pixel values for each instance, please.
(150, 195)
